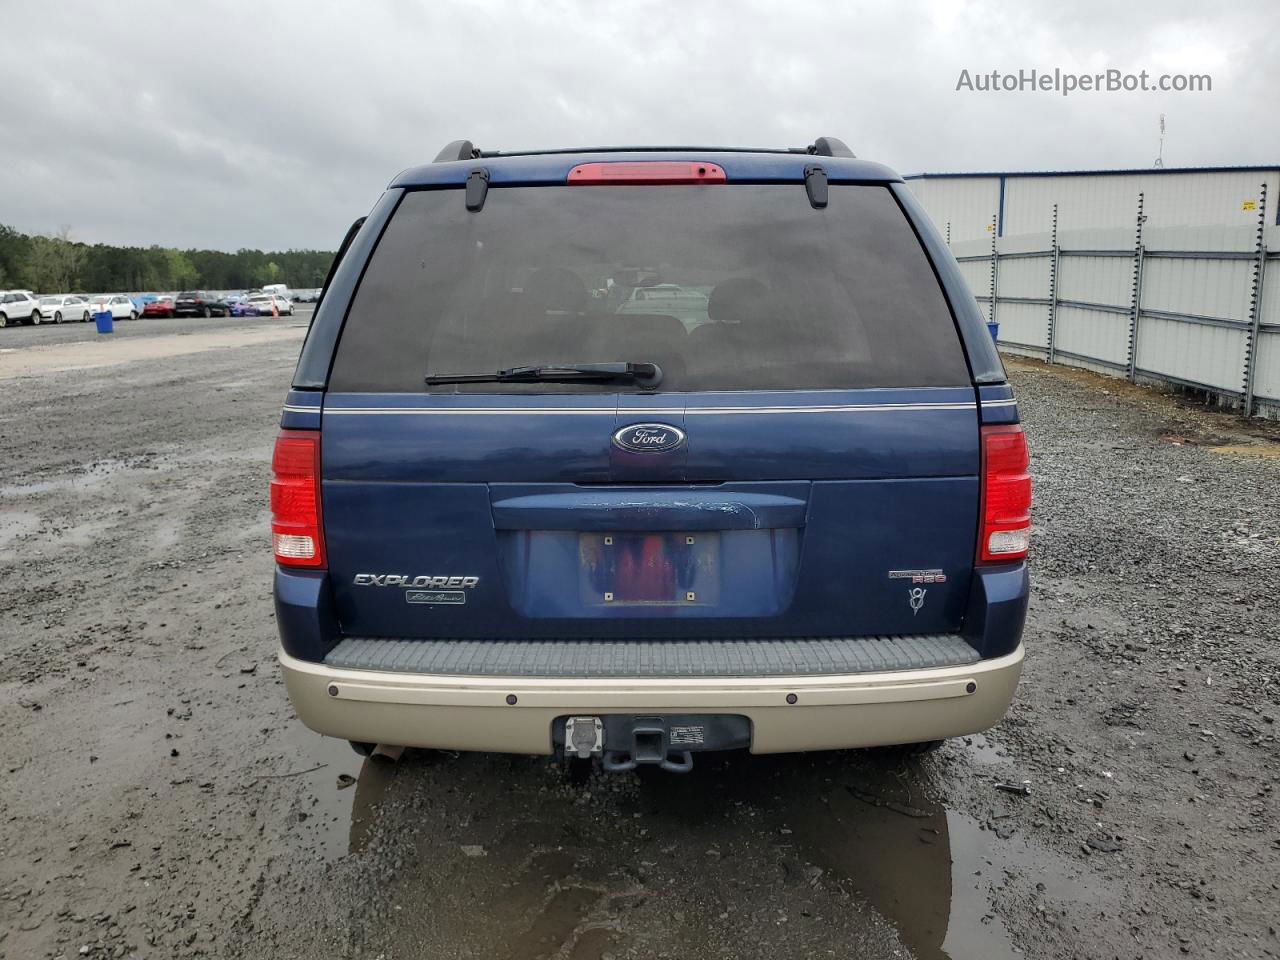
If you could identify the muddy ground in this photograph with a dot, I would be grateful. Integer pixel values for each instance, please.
(158, 800)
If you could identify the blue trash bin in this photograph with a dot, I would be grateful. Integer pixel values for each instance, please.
(103, 320)
(994, 330)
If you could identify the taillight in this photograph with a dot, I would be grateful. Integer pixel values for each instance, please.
(646, 172)
(1006, 494)
(295, 499)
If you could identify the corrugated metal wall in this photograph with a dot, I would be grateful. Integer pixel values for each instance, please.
(1151, 275)
(1267, 376)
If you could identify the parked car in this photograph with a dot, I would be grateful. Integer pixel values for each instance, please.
(199, 303)
(68, 307)
(688, 306)
(802, 525)
(267, 303)
(121, 306)
(19, 306)
(243, 308)
(160, 307)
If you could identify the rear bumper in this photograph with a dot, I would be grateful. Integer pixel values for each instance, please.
(830, 712)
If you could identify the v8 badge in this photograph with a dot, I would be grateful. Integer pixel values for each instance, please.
(915, 597)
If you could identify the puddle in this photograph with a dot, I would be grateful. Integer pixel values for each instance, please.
(927, 869)
(553, 925)
(982, 749)
(869, 824)
(339, 820)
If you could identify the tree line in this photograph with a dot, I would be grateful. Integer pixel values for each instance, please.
(57, 264)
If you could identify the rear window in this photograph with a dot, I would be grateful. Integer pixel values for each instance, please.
(731, 287)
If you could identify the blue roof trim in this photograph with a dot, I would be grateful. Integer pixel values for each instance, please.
(1093, 173)
(553, 168)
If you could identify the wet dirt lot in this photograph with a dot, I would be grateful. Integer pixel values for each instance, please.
(158, 800)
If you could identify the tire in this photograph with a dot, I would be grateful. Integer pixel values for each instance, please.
(207, 313)
(133, 314)
(35, 318)
(289, 312)
(4, 321)
(57, 316)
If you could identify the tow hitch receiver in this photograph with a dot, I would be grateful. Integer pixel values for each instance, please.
(624, 741)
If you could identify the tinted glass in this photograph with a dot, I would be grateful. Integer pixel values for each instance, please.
(730, 287)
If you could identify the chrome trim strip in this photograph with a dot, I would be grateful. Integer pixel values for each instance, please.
(640, 411)
(1000, 403)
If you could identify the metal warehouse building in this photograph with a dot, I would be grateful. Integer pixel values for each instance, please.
(1164, 274)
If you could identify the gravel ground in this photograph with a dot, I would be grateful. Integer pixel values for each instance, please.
(158, 799)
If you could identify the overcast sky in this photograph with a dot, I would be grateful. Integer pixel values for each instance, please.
(274, 124)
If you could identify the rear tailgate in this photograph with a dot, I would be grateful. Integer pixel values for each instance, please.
(816, 462)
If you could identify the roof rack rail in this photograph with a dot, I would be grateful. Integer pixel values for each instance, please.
(457, 150)
(829, 147)
(664, 148)
(466, 150)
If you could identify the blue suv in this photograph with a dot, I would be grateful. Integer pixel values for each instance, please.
(631, 453)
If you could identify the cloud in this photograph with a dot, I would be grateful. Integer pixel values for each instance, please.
(274, 125)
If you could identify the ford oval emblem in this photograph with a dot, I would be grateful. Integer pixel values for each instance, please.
(648, 438)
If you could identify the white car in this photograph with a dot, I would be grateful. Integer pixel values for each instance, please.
(263, 302)
(66, 307)
(691, 307)
(121, 307)
(19, 306)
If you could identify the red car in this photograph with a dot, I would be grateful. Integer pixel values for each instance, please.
(159, 308)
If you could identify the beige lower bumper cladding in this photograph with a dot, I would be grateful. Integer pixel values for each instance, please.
(515, 714)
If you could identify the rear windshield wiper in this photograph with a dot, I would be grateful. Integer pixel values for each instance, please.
(641, 374)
